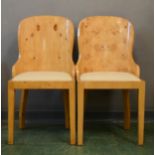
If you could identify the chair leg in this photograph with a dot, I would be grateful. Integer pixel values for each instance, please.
(72, 114)
(66, 107)
(80, 114)
(126, 98)
(11, 97)
(22, 108)
(141, 108)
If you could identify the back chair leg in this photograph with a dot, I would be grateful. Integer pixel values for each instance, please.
(72, 115)
(85, 99)
(126, 98)
(80, 114)
(22, 108)
(66, 108)
(11, 97)
(141, 107)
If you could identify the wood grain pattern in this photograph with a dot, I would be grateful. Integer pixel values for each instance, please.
(106, 44)
(45, 44)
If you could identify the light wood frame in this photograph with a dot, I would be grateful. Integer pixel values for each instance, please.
(89, 35)
(31, 30)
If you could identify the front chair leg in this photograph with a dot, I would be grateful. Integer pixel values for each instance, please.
(22, 108)
(141, 108)
(80, 114)
(66, 107)
(72, 114)
(11, 96)
(126, 98)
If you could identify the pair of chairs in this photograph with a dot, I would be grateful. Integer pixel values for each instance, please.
(105, 62)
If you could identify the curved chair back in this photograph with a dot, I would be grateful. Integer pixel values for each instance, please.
(45, 44)
(105, 44)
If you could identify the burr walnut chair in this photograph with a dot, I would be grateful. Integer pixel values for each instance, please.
(45, 62)
(106, 62)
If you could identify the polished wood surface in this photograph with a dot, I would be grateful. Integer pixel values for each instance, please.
(45, 44)
(106, 44)
(141, 113)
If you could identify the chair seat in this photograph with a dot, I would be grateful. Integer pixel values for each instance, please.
(43, 76)
(108, 76)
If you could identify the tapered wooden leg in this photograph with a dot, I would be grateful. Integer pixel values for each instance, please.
(126, 98)
(80, 114)
(11, 97)
(72, 114)
(141, 108)
(22, 108)
(66, 107)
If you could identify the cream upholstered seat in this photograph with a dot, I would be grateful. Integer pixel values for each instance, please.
(43, 76)
(108, 76)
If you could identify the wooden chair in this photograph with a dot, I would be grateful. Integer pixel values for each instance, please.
(106, 62)
(45, 62)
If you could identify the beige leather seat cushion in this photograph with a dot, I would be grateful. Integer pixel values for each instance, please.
(43, 76)
(108, 76)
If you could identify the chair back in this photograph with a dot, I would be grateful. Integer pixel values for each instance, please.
(105, 44)
(45, 44)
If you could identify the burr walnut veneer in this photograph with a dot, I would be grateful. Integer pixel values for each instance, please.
(106, 62)
(44, 62)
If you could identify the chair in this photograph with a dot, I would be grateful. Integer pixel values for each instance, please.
(45, 62)
(106, 62)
